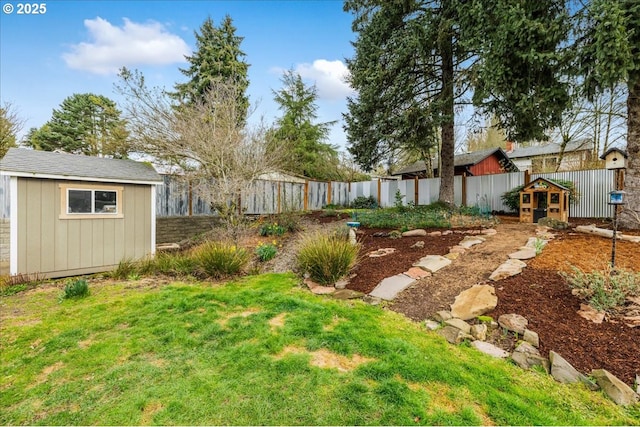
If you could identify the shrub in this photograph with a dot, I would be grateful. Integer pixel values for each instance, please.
(511, 198)
(126, 268)
(290, 221)
(362, 202)
(218, 259)
(265, 252)
(326, 258)
(272, 229)
(604, 290)
(78, 288)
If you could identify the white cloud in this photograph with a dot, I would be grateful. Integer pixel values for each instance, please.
(133, 44)
(329, 77)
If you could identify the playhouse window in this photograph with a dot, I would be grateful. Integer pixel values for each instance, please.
(91, 201)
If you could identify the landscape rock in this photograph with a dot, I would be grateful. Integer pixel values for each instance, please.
(381, 252)
(390, 287)
(523, 254)
(469, 241)
(563, 372)
(371, 300)
(442, 316)
(417, 273)
(460, 324)
(590, 313)
(435, 233)
(380, 234)
(452, 256)
(527, 356)
(432, 325)
(415, 233)
(451, 334)
(475, 301)
(513, 322)
(637, 383)
(531, 337)
(617, 391)
(418, 244)
(323, 290)
(509, 268)
(447, 232)
(479, 332)
(341, 284)
(554, 223)
(345, 294)
(490, 349)
(489, 231)
(310, 283)
(532, 242)
(432, 263)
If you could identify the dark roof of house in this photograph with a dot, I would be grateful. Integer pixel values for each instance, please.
(22, 162)
(459, 160)
(551, 148)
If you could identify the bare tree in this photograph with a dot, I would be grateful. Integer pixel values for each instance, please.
(10, 124)
(221, 158)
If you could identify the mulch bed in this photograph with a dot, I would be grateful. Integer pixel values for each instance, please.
(539, 293)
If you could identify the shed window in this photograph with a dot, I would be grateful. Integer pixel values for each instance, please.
(91, 201)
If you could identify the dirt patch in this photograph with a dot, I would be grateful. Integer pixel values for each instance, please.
(278, 321)
(149, 411)
(327, 360)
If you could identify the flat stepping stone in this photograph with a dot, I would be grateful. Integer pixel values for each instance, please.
(474, 302)
(457, 250)
(415, 233)
(469, 241)
(489, 232)
(390, 287)
(508, 268)
(323, 290)
(417, 273)
(527, 253)
(532, 242)
(432, 263)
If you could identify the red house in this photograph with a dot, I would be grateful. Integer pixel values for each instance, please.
(485, 162)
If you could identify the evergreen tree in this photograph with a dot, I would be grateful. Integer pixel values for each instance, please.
(84, 124)
(414, 58)
(218, 57)
(297, 133)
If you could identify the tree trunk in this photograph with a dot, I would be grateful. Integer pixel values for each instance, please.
(448, 142)
(630, 215)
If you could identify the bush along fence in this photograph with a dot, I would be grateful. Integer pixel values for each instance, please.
(176, 198)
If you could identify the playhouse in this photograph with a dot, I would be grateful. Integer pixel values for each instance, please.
(543, 198)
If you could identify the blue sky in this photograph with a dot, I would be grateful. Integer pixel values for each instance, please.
(77, 46)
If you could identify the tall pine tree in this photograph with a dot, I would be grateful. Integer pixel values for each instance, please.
(297, 132)
(217, 57)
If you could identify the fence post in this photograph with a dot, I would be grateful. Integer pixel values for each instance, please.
(279, 192)
(527, 177)
(415, 191)
(379, 192)
(305, 197)
(329, 193)
(464, 189)
(190, 198)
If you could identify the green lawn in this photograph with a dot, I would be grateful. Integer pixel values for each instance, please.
(258, 351)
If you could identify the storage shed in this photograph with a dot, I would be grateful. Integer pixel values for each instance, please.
(543, 198)
(71, 214)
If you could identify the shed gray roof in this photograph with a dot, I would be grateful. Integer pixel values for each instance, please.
(22, 162)
(551, 148)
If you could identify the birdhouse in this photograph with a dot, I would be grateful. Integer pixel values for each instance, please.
(615, 158)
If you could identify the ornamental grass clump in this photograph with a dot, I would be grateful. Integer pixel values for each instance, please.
(604, 290)
(326, 258)
(78, 288)
(266, 251)
(219, 259)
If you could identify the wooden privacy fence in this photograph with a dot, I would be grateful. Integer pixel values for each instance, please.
(175, 198)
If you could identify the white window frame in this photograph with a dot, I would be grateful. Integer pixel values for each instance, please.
(93, 188)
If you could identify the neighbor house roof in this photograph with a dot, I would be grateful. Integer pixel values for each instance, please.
(459, 160)
(551, 148)
(51, 165)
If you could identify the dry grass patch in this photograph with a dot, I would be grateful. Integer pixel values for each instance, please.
(334, 322)
(278, 321)
(149, 411)
(44, 375)
(223, 321)
(326, 359)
